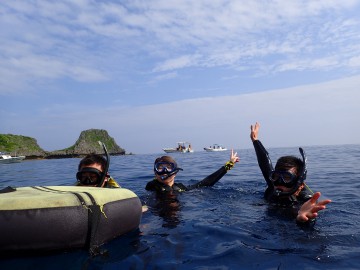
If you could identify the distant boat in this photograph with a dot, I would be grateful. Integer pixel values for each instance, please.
(183, 147)
(6, 158)
(215, 148)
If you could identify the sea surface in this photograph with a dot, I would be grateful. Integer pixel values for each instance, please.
(228, 226)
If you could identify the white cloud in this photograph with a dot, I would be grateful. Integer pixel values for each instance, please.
(166, 76)
(177, 63)
(85, 40)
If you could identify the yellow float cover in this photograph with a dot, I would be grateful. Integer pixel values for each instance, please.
(60, 196)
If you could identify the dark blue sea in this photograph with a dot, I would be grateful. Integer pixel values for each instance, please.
(228, 226)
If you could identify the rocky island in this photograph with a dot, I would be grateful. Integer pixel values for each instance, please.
(87, 143)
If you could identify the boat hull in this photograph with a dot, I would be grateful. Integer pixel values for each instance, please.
(173, 150)
(12, 160)
(214, 150)
(65, 217)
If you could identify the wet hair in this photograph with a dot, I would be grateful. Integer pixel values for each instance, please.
(91, 159)
(165, 159)
(287, 162)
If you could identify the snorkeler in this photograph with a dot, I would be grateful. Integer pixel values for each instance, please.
(166, 168)
(93, 171)
(286, 183)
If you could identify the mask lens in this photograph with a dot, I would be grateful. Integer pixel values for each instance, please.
(275, 176)
(89, 176)
(164, 167)
(285, 176)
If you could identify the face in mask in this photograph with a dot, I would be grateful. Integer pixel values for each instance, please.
(283, 178)
(89, 176)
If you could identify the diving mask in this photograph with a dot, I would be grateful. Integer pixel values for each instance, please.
(161, 168)
(89, 176)
(283, 178)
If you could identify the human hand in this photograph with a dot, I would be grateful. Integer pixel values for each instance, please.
(234, 157)
(310, 209)
(254, 131)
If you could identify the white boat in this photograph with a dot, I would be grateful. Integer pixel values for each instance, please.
(6, 158)
(215, 148)
(183, 147)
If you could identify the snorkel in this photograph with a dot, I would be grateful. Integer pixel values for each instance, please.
(300, 180)
(167, 175)
(106, 165)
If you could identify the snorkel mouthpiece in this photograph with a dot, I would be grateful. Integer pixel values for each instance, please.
(166, 176)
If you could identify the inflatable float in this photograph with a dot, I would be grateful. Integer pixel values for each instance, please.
(65, 217)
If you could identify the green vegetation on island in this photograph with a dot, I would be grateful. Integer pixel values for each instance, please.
(20, 145)
(86, 144)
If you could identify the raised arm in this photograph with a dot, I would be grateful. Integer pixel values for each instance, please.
(262, 155)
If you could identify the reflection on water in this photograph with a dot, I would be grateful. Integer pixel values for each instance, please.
(113, 252)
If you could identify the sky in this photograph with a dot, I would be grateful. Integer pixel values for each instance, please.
(155, 72)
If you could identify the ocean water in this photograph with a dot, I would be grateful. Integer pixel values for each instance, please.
(228, 226)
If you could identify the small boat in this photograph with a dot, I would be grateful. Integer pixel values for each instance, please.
(46, 218)
(6, 158)
(183, 147)
(215, 148)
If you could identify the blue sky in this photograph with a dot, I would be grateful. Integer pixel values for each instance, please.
(155, 72)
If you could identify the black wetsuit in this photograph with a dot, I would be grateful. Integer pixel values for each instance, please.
(266, 167)
(209, 181)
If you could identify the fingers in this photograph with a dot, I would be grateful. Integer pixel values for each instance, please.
(317, 208)
(320, 206)
(310, 209)
(254, 131)
(315, 197)
(234, 158)
(324, 202)
(253, 128)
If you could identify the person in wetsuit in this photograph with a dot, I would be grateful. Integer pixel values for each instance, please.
(285, 183)
(163, 201)
(166, 168)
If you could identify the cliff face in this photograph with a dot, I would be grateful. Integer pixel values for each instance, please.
(86, 144)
